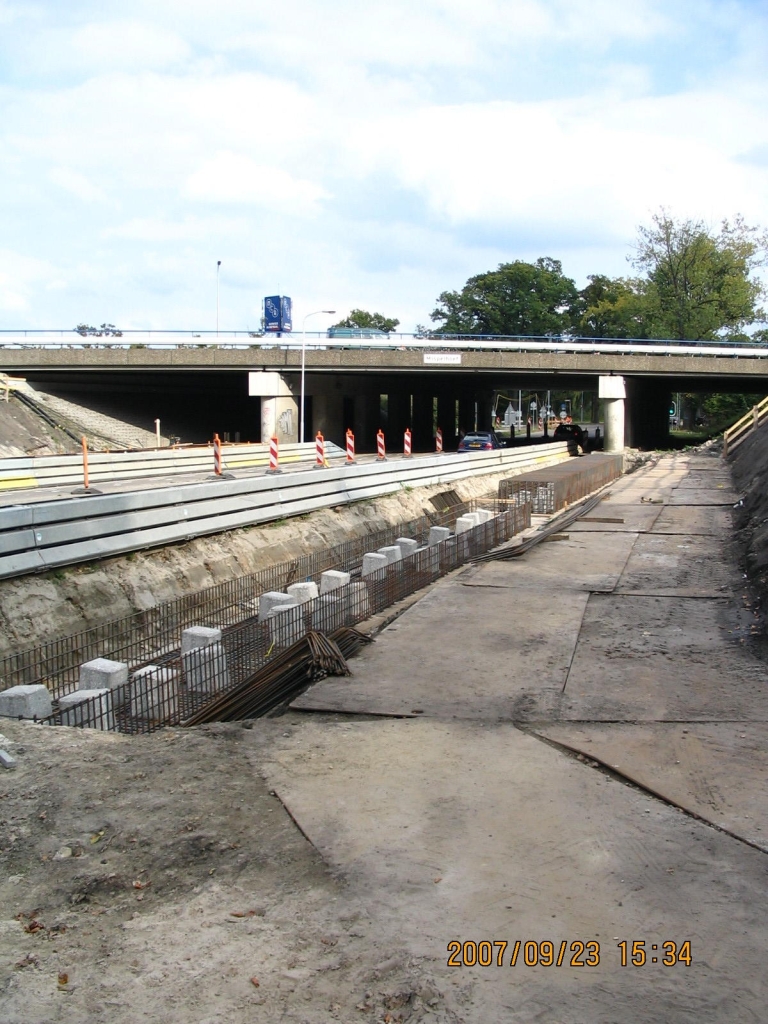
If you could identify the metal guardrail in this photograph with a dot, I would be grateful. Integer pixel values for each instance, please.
(443, 342)
(51, 470)
(41, 536)
(173, 687)
(741, 429)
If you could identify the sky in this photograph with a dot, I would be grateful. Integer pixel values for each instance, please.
(356, 155)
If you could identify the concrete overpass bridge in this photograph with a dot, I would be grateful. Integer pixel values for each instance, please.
(241, 383)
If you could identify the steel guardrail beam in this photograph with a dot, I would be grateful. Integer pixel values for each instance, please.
(48, 535)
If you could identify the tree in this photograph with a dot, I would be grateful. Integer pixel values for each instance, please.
(368, 321)
(613, 308)
(106, 330)
(533, 299)
(699, 284)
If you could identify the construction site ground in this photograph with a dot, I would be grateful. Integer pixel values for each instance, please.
(569, 747)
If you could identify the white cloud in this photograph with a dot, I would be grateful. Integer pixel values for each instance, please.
(77, 184)
(232, 178)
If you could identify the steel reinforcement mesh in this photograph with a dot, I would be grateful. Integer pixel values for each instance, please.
(555, 487)
(169, 686)
(151, 636)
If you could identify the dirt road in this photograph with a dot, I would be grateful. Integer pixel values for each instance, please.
(568, 749)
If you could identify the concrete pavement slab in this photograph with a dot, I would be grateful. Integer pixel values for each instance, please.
(627, 519)
(459, 831)
(643, 659)
(703, 496)
(694, 566)
(461, 652)
(717, 771)
(689, 521)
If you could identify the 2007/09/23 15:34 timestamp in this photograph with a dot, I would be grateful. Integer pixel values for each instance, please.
(499, 953)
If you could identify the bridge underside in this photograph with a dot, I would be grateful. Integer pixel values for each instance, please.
(193, 404)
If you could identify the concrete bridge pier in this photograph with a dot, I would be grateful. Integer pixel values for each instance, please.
(279, 406)
(613, 392)
(446, 420)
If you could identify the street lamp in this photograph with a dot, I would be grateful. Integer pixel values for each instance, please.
(303, 345)
(218, 265)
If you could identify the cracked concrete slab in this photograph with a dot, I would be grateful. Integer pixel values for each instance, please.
(715, 770)
(463, 831)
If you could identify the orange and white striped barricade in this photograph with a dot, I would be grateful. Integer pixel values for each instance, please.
(320, 462)
(350, 448)
(216, 455)
(407, 443)
(274, 456)
(439, 441)
(381, 451)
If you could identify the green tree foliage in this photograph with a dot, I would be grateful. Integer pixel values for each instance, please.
(698, 282)
(363, 319)
(518, 298)
(613, 308)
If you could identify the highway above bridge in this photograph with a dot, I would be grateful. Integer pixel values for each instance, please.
(202, 381)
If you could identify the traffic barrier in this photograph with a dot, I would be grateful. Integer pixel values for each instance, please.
(45, 535)
(350, 448)
(407, 443)
(85, 463)
(320, 462)
(274, 456)
(216, 455)
(381, 451)
(439, 441)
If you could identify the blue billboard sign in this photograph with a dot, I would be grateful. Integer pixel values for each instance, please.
(272, 313)
(286, 321)
(277, 313)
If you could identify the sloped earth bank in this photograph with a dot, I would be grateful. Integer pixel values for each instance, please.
(579, 758)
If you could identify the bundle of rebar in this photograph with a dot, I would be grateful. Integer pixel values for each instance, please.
(283, 677)
(561, 523)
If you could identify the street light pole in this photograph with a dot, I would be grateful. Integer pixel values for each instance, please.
(217, 297)
(303, 349)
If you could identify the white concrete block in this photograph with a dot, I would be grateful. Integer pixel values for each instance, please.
(199, 636)
(437, 534)
(407, 545)
(484, 515)
(332, 580)
(331, 611)
(373, 561)
(429, 558)
(101, 674)
(302, 592)
(270, 600)
(89, 708)
(30, 701)
(359, 603)
(465, 523)
(206, 669)
(393, 552)
(286, 624)
(154, 693)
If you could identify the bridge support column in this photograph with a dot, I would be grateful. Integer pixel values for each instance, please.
(423, 440)
(613, 392)
(279, 407)
(328, 416)
(399, 409)
(446, 420)
(647, 413)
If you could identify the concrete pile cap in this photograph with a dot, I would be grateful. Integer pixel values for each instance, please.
(332, 580)
(373, 561)
(155, 673)
(26, 701)
(393, 552)
(407, 545)
(282, 609)
(101, 672)
(269, 599)
(437, 534)
(199, 636)
(303, 592)
(71, 700)
(465, 523)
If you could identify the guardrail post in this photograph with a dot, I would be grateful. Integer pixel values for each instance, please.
(381, 451)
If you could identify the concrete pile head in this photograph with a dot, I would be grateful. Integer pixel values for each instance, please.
(31, 701)
(102, 674)
(332, 580)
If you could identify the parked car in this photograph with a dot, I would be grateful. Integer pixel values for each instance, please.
(480, 440)
(565, 431)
